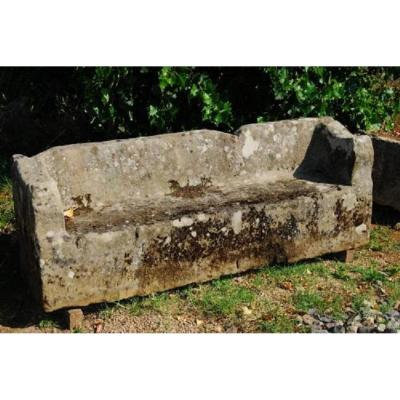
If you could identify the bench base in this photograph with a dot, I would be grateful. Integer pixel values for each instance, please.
(74, 318)
(346, 256)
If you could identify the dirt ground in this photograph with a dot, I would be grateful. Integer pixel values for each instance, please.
(273, 299)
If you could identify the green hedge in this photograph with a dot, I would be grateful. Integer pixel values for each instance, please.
(42, 107)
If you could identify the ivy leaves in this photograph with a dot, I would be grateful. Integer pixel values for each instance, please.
(155, 100)
(359, 97)
(196, 90)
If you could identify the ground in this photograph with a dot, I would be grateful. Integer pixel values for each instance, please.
(321, 295)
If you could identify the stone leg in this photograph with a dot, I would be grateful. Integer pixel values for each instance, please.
(346, 256)
(74, 318)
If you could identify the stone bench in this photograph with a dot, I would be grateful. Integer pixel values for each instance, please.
(106, 221)
(386, 172)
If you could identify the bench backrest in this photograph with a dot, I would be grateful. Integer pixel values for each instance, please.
(121, 170)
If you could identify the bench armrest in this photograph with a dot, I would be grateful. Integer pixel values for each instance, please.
(338, 157)
(37, 200)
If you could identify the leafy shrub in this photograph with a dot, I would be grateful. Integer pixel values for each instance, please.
(43, 107)
(361, 98)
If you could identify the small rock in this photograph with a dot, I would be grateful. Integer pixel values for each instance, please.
(219, 329)
(380, 320)
(312, 311)
(357, 318)
(232, 329)
(246, 311)
(199, 322)
(286, 285)
(318, 330)
(365, 329)
(367, 304)
(393, 314)
(325, 319)
(381, 328)
(393, 325)
(330, 325)
(382, 291)
(308, 319)
(353, 328)
(354, 320)
(397, 226)
(369, 321)
(366, 312)
(339, 329)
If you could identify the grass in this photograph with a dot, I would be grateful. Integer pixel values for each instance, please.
(380, 240)
(394, 292)
(222, 298)
(370, 274)
(341, 272)
(275, 319)
(278, 323)
(48, 324)
(392, 270)
(322, 302)
(135, 307)
(304, 301)
(107, 311)
(357, 303)
(6, 204)
(278, 272)
(160, 303)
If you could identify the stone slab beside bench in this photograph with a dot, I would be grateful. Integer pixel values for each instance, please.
(386, 172)
(105, 221)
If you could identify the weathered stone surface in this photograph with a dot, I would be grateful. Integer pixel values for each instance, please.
(74, 319)
(105, 221)
(386, 172)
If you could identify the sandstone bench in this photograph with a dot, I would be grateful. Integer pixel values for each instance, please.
(106, 221)
(386, 172)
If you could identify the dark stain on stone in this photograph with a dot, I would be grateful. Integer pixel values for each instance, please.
(189, 191)
(94, 150)
(128, 258)
(260, 238)
(312, 218)
(350, 218)
(83, 202)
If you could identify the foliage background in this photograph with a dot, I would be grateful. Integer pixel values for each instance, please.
(44, 107)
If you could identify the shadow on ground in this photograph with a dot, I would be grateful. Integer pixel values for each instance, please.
(17, 309)
(382, 215)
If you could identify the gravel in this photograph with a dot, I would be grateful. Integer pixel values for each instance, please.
(367, 320)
